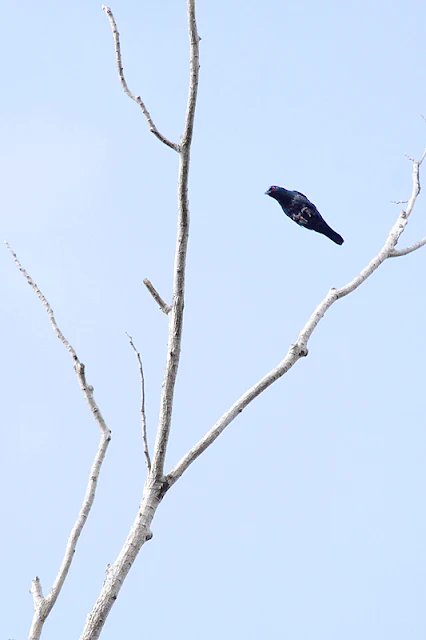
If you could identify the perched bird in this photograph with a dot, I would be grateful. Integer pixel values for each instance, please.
(297, 207)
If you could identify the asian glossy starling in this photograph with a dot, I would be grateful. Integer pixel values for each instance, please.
(297, 207)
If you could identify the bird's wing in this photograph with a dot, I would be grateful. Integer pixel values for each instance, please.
(301, 194)
(304, 217)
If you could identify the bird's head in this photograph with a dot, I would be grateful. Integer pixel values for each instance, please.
(274, 191)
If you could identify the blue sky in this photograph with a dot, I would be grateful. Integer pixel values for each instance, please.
(305, 520)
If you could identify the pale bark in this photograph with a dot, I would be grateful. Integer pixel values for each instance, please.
(165, 308)
(157, 483)
(396, 253)
(155, 486)
(131, 95)
(43, 605)
(143, 415)
(176, 313)
(299, 348)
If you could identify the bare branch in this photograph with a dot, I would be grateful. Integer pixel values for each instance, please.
(131, 95)
(155, 487)
(43, 606)
(40, 607)
(399, 201)
(36, 592)
(396, 253)
(88, 500)
(143, 417)
(165, 308)
(78, 366)
(299, 348)
(176, 314)
(44, 302)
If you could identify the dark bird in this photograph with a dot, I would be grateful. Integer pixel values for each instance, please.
(301, 210)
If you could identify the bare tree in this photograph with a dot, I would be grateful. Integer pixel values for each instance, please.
(158, 482)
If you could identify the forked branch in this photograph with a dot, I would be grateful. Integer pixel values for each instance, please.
(43, 605)
(176, 313)
(300, 348)
(396, 253)
(155, 486)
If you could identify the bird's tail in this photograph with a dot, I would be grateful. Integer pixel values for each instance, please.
(328, 231)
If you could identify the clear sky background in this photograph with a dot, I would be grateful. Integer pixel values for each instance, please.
(306, 519)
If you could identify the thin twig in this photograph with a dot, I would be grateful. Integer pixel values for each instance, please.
(165, 308)
(131, 95)
(43, 605)
(300, 349)
(143, 416)
(45, 303)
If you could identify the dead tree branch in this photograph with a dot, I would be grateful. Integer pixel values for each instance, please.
(176, 313)
(396, 253)
(300, 348)
(143, 416)
(131, 95)
(155, 487)
(44, 605)
(157, 484)
(165, 308)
